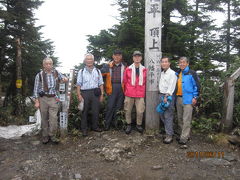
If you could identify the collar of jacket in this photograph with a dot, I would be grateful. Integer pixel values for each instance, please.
(185, 71)
(167, 71)
(112, 63)
(89, 69)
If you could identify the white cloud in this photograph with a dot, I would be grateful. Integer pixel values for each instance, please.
(67, 22)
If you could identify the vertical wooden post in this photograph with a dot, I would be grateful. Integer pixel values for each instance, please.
(66, 103)
(18, 108)
(18, 65)
(228, 103)
(153, 33)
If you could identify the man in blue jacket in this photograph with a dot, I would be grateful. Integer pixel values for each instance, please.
(187, 92)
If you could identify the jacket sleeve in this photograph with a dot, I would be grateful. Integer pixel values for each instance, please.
(105, 70)
(196, 85)
(125, 77)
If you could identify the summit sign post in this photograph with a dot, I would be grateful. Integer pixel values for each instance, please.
(153, 54)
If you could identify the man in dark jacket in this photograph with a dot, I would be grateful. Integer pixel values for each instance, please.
(187, 94)
(113, 75)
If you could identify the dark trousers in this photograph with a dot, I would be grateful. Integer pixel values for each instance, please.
(114, 103)
(90, 102)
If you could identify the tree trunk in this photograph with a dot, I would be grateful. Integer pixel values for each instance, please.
(228, 33)
(193, 32)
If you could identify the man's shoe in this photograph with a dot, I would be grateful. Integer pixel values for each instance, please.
(106, 128)
(84, 133)
(97, 130)
(55, 139)
(168, 139)
(139, 128)
(45, 140)
(182, 142)
(128, 129)
(178, 138)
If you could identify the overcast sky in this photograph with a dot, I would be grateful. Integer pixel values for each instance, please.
(67, 22)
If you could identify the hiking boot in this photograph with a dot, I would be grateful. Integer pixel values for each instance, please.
(97, 130)
(168, 139)
(106, 128)
(55, 140)
(139, 128)
(128, 129)
(45, 140)
(182, 141)
(178, 138)
(84, 133)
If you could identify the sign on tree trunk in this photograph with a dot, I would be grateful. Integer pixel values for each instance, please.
(153, 31)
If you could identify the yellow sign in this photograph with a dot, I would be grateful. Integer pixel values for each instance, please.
(19, 83)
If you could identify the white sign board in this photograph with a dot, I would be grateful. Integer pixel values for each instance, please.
(63, 120)
(153, 28)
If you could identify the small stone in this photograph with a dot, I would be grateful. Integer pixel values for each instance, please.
(17, 178)
(157, 167)
(78, 176)
(234, 140)
(18, 142)
(216, 162)
(35, 143)
(28, 162)
(183, 147)
(98, 150)
(114, 140)
(236, 172)
(229, 158)
(105, 136)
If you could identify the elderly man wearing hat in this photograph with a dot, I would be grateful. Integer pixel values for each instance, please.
(135, 89)
(113, 75)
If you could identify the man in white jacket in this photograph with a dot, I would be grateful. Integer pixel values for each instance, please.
(167, 86)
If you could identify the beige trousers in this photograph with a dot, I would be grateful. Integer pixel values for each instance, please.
(49, 109)
(184, 113)
(140, 108)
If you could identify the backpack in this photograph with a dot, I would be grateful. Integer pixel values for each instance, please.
(44, 83)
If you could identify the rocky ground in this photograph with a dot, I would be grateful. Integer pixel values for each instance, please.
(115, 156)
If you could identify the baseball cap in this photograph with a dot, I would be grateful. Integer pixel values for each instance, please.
(117, 51)
(137, 53)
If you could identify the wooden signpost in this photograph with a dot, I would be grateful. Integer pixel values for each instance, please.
(228, 103)
(153, 54)
(65, 90)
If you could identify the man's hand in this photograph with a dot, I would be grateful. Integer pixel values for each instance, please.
(165, 99)
(64, 79)
(80, 98)
(194, 101)
(37, 104)
(101, 98)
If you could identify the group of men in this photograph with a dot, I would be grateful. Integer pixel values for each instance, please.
(125, 86)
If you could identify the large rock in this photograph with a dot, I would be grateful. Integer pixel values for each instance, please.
(216, 162)
(234, 140)
(110, 154)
